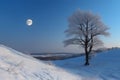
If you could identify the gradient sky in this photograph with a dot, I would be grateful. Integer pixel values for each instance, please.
(50, 21)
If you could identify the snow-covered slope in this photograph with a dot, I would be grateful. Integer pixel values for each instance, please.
(17, 66)
(104, 66)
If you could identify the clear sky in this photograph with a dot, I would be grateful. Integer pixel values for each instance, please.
(50, 21)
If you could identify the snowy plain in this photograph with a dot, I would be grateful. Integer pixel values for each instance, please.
(15, 65)
(103, 66)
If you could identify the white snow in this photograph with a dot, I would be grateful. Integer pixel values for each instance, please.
(17, 66)
(104, 66)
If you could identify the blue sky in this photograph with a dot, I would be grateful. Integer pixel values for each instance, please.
(50, 21)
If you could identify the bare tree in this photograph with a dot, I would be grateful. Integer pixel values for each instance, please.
(84, 29)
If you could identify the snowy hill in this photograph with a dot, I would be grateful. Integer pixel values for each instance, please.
(17, 66)
(104, 66)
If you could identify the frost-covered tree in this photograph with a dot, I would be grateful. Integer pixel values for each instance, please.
(84, 30)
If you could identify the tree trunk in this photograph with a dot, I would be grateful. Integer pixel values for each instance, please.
(86, 50)
(86, 57)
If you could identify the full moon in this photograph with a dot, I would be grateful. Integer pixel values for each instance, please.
(29, 22)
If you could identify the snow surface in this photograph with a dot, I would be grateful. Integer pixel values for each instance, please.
(104, 66)
(17, 66)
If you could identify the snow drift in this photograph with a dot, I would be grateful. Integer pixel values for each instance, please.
(17, 66)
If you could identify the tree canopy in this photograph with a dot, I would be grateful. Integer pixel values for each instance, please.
(84, 30)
